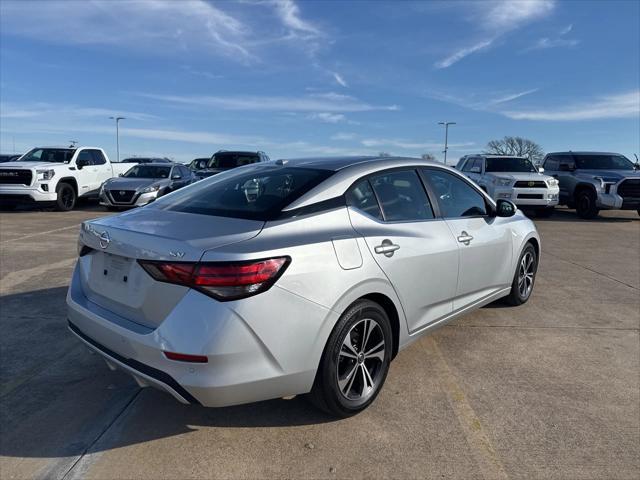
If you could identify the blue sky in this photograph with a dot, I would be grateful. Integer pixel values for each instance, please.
(313, 78)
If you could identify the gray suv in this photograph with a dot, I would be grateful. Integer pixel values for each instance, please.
(593, 181)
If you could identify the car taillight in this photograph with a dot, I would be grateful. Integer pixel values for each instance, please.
(220, 280)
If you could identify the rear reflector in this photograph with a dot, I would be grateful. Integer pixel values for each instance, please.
(184, 357)
(220, 280)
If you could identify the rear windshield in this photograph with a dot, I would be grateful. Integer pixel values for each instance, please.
(509, 164)
(147, 171)
(254, 192)
(56, 155)
(232, 160)
(603, 162)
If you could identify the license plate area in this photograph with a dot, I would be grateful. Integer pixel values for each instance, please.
(117, 278)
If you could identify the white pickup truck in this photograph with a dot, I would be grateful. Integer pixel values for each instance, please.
(57, 176)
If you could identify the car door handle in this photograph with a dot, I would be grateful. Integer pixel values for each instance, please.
(387, 248)
(465, 238)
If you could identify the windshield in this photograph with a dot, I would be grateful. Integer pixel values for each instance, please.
(603, 162)
(232, 160)
(147, 171)
(510, 164)
(56, 155)
(254, 193)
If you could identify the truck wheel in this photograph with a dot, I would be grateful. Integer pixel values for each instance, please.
(66, 197)
(586, 204)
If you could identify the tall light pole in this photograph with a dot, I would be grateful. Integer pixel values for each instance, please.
(446, 137)
(117, 119)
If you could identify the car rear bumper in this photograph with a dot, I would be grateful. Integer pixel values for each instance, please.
(244, 365)
(24, 194)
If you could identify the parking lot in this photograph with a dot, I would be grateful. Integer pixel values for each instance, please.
(550, 389)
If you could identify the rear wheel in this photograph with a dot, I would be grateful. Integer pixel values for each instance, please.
(66, 199)
(586, 204)
(525, 277)
(355, 361)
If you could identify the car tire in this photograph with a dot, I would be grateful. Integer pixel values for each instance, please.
(524, 277)
(638, 211)
(350, 374)
(66, 197)
(586, 204)
(545, 212)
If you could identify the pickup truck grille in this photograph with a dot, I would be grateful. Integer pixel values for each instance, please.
(14, 176)
(530, 184)
(629, 188)
(122, 196)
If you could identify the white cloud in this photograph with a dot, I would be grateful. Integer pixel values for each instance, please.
(495, 19)
(156, 26)
(511, 97)
(62, 112)
(339, 79)
(326, 102)
(327, 117)
(624, 105)
(566, 29)
(559, 41)
(463, 52)
(289, 14)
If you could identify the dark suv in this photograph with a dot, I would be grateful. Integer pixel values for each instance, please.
(224, 160)
(593, 181)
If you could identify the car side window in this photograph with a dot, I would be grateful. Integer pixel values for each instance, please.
(456, 197)
(176, 172)
(361, 197)
(85, 157)
(184, 172)
(98, 157)
(402, 196)
(468, 165)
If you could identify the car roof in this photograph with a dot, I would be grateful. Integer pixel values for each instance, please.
(346, 171)
(583, 153)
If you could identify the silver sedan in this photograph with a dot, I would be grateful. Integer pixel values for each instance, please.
(294, 277)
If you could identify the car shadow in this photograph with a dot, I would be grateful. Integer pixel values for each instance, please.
(57, 398)
(82, 205)
(562, 215)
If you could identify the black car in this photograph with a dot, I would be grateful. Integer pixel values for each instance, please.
(9, 157)
(224, 160)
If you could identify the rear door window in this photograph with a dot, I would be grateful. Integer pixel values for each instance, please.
(361, 197)
(402, 196)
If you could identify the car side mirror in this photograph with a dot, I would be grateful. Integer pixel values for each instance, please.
(176, 177)
(121, 174)
(81, 163)
(541, 169)
(505, 208)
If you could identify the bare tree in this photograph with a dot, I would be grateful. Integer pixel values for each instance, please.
(518, 146)
(429, 157)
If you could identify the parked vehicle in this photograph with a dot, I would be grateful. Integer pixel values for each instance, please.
(512, 178)
(8, 157)
(298, 276)
(198, 164)
(594, 181)
(224, 160)
(144, 183)
(146, 160)
(56, 175)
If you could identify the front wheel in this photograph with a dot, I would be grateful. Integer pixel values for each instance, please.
(355, 361)
(586, 204)
(524, 278)
(66, 198)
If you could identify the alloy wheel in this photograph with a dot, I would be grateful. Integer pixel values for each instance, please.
(526, 273)
(360, 360)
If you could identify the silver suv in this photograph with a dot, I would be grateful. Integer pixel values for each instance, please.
(592, 181)
(512, 178)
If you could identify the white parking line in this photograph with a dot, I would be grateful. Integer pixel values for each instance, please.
(77, 225)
